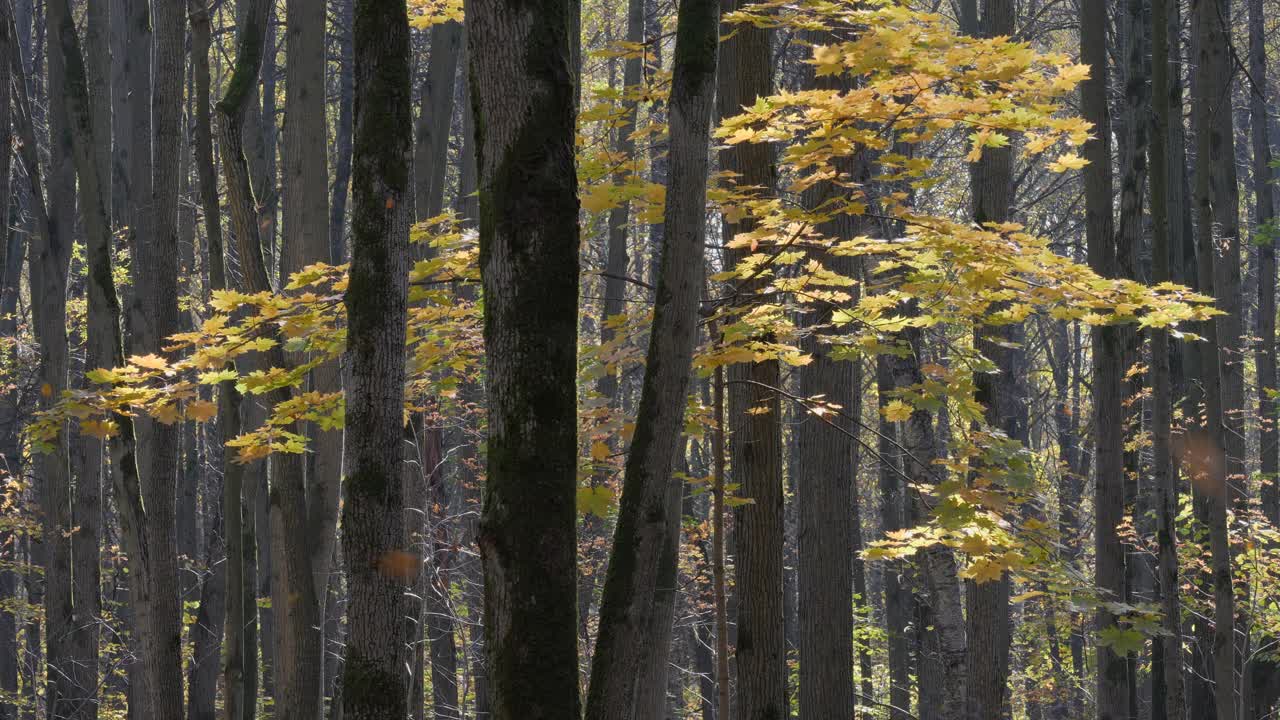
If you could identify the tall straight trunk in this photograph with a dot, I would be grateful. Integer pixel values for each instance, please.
(207, 627)
(238, 642)
(897, 598)
(50, 253)
(1131, 130)
(1219, 261)
(13, 250)
(438, 608)
(97, 33)
(1264, 218)
(435, 117)
(640, 568)
(522, 86)
(120, 116)
(1003, 395)
(826, 478)
(73, 560)
(341, 132)
(1163, 469)
(305, 240)
(374, 683)
(155, 257)
(718, 543)
(293, 585)
(1112, 676)
(147, 537)
(755, 447)
(137, 46)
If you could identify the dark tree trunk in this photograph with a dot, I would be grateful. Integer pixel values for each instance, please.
(756, 446)
(435, 117)
(342, 133)
(522, 91)
(374, 683)
(1218, 247)
(641, 569)
(1003, 395)
(825, 473)
(1164, 470)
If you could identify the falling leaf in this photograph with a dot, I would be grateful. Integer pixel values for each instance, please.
(399, 564)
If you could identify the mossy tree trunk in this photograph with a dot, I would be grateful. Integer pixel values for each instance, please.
(522, 86)
(642, 562)
(374, 683)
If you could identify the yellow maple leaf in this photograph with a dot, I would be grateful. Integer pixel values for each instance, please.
(201, 410)
(101, 429)
(149, 362)
(896, 411)
(1069, 161)
(167, 413)
(983, 570)
(598, 198)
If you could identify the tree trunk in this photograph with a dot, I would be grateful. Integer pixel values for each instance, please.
(305, 241)
(1112, 677)
(639, 571)
(374, 682)
(897, 598)
(431, 150)
(293, 586)
(522, 89)
(73, 600)
(1219, 261)
(1265, 239)
(825, 476)
(1163, 470)
(148, 537)
(1003, 395)
(755, 447)
(342, 133)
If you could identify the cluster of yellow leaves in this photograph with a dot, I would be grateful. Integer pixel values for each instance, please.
(425, 13)
(308, 318)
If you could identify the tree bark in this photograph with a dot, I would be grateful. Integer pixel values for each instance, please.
(1112, 678)
(374, 683)
(342, 133)
(1003, 395)
(639, 567)
(431, 149)
(1218, 244)
(1265, 239)
(755, 446)
(305, 241)
(1164, 472)
(147, 535)
(825, 476)
(522, 90)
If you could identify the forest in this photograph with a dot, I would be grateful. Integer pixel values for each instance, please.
(639, 360)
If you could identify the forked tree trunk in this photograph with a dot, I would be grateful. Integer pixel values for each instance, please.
(636, 608)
